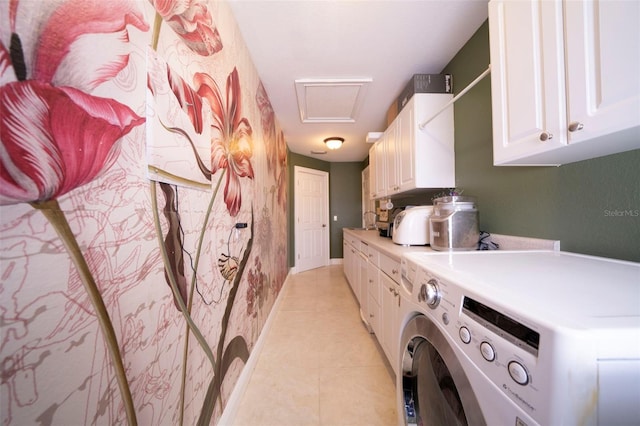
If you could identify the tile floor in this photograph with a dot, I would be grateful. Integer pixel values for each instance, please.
(319, 365)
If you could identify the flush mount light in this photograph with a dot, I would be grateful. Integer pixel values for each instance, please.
(334, 142)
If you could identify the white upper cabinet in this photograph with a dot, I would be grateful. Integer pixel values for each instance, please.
(407, 157)
(391, 158)
(427, 155)
(373, 168)
(565, 79)
(603, 67)
(527, 78)
(377, 169)
(406, 152)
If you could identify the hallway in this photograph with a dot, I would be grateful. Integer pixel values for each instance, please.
(319, 365)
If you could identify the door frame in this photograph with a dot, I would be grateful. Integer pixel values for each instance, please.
(325, 207)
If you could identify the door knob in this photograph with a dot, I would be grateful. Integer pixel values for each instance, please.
(324, 225)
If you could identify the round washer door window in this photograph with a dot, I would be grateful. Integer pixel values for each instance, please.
(435, 389)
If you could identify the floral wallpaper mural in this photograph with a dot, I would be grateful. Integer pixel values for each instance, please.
(143, 199)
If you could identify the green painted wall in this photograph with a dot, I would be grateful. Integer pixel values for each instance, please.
(345, 201)
(592, 206)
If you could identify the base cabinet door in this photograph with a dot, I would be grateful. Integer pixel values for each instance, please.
(374, 299)
(390, 297)
(363, 286)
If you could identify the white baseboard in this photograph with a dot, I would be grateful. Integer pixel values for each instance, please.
(332, 261)
(233, 404)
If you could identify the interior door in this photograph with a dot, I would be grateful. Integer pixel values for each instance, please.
(311, 218)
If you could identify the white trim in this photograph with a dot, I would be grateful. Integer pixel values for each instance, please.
(233, 404)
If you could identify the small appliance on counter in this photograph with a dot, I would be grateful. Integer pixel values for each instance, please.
(453, 226)
(411, 226)
(385, 221)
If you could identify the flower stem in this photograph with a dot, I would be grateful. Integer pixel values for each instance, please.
(157, 23)
(51, 210)
(191, 291)
(172, 280)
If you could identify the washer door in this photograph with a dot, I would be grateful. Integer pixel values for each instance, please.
(436, 390)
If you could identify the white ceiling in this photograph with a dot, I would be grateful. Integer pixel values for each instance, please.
(385, 41)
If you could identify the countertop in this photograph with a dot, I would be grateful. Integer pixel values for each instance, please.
(395, 251)
(385, 245)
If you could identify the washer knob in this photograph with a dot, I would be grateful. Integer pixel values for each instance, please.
(465, 334)
(487, 351)
(430, 293)
(518, 373)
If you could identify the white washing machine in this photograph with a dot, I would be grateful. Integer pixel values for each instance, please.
(519, 338)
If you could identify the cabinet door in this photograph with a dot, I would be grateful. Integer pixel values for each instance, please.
(391, 158)
(378, 175)
(345, 258)
(406, 150)
(373, 170)
(389, 320)
(363, 289)
(432, 150)
(603, 67)
(349, 259)
(374, 299)
(527, 78)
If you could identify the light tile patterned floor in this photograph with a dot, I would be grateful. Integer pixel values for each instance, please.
(319, 365)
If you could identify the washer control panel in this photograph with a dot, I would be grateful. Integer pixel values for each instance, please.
(504, 348)
(430, 293)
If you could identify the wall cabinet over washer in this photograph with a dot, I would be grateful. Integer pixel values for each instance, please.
(565, 82)
(407, 157)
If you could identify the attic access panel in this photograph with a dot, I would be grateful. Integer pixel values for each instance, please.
(330, 100)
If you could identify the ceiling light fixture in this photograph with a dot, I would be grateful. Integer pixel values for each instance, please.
(334, 142)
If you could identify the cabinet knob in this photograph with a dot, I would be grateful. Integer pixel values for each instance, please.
(575, 126)
(394, 271)
(544, 136)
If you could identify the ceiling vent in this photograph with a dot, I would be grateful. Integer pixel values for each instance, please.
(330, 100)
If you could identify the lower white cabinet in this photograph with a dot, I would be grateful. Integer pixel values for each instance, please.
(374, 278)
(390, 300)
(375, 311)
(363, 287)
(349, 262)
(390, 307)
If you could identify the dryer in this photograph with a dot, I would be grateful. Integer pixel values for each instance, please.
(518, 338)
